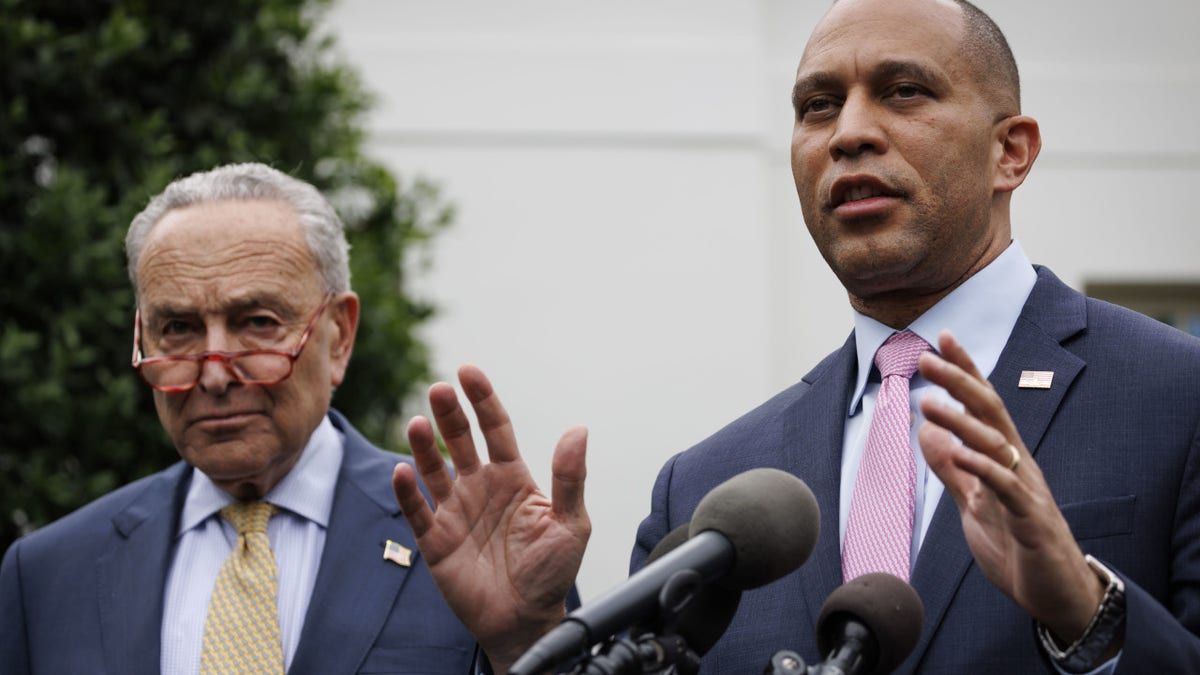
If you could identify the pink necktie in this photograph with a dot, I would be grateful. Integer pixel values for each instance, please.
(879, 531)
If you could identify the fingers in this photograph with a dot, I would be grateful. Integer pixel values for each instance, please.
(570, 469)
(429, 459)
(973, 432)
(455, 428)
(494, 422)
(961, 468)
(985, 425)
(412, 503)
(952, 351)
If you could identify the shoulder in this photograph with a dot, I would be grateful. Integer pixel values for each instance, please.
(1108, 337)
(1119, 325)
(1074, 318)
(758, 437)
(1136, 347)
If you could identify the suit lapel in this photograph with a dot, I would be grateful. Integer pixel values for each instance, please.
(814, 445)
(138, 559)
(355, 587)
(1052, 314)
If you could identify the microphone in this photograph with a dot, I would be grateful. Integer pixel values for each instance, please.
(707, 613)
(746, 532)
(868, 626)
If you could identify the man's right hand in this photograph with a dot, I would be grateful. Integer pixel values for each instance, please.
(503, 555)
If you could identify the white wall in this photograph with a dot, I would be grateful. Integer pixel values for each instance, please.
(629, 253)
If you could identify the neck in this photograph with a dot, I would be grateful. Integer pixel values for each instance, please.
(898, 313)
(899, 307)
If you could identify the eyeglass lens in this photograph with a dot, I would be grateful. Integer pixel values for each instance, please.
(262, 368)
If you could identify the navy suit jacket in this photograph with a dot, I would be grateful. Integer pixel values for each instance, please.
(1117, 436)
(85, 594)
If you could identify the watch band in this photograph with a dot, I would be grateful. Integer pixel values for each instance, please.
(1083, 654)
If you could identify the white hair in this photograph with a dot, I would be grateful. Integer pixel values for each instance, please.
(323, 230)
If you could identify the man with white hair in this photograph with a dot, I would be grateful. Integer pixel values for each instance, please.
(275, 544)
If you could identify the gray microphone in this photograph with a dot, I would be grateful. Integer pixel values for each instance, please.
(747, 532)
(708, 612)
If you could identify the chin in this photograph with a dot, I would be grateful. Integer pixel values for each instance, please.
(230, 461)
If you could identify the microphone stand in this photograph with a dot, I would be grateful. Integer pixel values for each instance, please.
(649, 654)
(786, 662)
(652, 653)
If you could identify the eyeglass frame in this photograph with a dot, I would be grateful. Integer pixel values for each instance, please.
(226, 358)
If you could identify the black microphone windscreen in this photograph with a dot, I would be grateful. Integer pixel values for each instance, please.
(711, 610)
(770, 517)
(885, 604)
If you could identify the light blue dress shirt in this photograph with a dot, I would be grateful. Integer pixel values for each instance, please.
(981, 313)
(204, 541)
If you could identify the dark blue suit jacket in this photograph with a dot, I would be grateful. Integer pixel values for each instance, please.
(1117, 437)
(85, 594)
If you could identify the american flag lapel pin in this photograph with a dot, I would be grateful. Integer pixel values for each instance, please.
(1035, 379)
(398, 554)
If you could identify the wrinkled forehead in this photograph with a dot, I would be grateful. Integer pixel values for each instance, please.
(222, 250)
(854, 30)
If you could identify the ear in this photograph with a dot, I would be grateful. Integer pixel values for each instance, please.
(343, 309)
(1018, 141)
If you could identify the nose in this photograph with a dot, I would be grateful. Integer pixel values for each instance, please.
(216, 374)
(858, 128)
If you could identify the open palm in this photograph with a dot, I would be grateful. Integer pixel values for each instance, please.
(502, 553)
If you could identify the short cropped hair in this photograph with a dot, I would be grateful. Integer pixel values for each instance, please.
(986, 45)
(323, 230)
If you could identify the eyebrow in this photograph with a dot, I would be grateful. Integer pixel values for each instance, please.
(818, 81)
(233, 306)
(885, 71)
(908, 70)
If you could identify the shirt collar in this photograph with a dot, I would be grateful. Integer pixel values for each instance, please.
(981, 313)
(307, 490)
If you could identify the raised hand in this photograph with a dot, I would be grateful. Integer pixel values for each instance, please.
(503, 555)
(1014, 528)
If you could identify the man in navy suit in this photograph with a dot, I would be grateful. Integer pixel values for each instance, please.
(245, 325)
(1055, 521)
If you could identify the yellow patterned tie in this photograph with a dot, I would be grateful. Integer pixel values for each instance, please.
(241, 634)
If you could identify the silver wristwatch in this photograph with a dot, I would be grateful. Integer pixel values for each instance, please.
(1083, 655)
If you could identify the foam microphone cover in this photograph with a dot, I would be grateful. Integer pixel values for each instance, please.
(885, 604)
(706, 617)
(770, 517)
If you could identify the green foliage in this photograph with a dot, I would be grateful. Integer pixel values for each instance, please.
(102, 103)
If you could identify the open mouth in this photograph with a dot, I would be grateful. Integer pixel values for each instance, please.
(859, 188)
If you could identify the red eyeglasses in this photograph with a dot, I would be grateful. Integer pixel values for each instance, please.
(253, 366)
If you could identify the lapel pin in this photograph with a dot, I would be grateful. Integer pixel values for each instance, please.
(398, 554)
(1035, 379)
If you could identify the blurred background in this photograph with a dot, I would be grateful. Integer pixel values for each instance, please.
(594, 204)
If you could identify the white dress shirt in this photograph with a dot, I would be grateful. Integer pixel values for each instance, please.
(204, 540)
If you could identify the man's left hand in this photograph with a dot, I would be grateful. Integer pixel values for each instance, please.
(1014, 528)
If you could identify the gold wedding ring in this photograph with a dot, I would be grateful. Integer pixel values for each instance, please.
(1016, 457)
